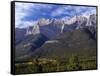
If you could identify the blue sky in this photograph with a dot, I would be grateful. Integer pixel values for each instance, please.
(26, 14)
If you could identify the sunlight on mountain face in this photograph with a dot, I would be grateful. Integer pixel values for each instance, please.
(53, 27)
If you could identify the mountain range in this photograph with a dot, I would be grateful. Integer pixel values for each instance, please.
(57, 38)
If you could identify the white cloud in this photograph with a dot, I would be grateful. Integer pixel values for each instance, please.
(24, 9)
(65, 18)
(91, 11)
(24, 24)
(60, 10)
(21, 10)
(73, 10)
(57, 12)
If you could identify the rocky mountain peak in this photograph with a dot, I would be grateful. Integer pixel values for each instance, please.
(52, 27)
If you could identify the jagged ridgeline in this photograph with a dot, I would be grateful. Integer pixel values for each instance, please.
(57, 38)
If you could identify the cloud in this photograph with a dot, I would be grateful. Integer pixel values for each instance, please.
(91, 10)
(57, 12)
(73, 10)
(23, 11)
(24, 24)
(27, 14)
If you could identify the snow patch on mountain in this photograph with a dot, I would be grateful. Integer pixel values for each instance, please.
(52, 27)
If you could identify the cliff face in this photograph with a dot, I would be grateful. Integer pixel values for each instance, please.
(49, 37)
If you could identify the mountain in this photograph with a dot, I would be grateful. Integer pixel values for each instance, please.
(29, 44)
(57, 38)
(33, 30)
(52, 27)
(19, 35)
(78, 42)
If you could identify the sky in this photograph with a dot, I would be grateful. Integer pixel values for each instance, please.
(27, 14)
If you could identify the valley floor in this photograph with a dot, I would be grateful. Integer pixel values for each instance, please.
(45, 65)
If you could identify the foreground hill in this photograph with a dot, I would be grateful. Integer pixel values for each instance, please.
(79, 42)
